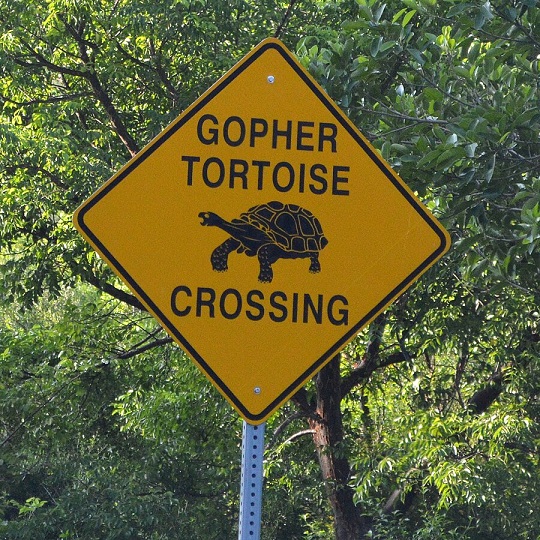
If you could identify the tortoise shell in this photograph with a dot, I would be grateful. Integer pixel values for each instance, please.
(289, 226)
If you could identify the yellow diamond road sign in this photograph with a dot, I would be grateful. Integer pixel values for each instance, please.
(262, 230)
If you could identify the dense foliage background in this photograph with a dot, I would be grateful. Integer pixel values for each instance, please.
(426, 426)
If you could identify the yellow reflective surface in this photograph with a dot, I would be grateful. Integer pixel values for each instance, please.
(265, 136)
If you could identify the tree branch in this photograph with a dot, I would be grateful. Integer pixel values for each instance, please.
(285, 19)
(78, 375)
(102, 96)
(368, 363)
(394, 114)
(115, 292)
(530, 37)
(299, 434)
(87, 73)
(157, 67)
(41, 61)
(283, 426)
(34, 168)
(39, 408)
(112, 113)
(149, 346)
(39, 101)
(300, 399)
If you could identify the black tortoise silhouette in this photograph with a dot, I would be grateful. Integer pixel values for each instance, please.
(271, 231)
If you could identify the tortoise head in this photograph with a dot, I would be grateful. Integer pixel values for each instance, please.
(209, 218)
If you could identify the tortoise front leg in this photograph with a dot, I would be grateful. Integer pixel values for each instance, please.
(221, 253)
(265, 261)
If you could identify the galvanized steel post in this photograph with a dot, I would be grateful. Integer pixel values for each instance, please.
(251, 482)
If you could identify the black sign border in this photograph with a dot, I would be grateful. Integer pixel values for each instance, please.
(343, 121)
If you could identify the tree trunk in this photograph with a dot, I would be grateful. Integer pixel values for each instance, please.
(328, 436)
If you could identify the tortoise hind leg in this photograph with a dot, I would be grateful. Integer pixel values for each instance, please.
(221, 253)
(315, 265)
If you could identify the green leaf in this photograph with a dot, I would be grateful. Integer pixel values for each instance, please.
(398, 15)
(376, 46)
(470, 149)
(490, 168)
(408, 17)
(484, 14)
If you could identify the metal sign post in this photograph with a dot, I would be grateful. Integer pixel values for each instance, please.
(251, 482)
